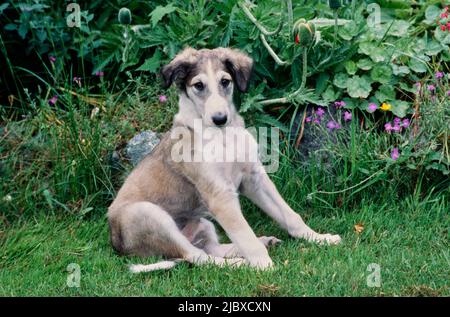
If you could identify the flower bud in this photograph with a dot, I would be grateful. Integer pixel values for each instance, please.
(334, 4)
(304, 33)
(124, 16)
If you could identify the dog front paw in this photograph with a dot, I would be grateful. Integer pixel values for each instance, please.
(263, 263)
(269, 241)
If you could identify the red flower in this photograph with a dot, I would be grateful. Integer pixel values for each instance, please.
(443, 28)
(297, 39)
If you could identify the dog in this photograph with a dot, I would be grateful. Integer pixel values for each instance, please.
(163, 207)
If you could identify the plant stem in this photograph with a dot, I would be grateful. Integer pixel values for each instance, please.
(299, 90)
(271, 51)
(335, 27)
(290, 15)
(257, 24)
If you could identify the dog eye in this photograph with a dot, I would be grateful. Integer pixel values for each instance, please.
(225, 82)
(199, 86)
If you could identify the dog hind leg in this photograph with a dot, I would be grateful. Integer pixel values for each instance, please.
(147, 229)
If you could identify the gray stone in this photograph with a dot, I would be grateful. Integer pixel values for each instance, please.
(141, 145)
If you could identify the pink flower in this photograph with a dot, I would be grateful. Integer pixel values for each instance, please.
(395, 154)
(372, 107)
(406, 123)
(320, 112)
(347, 116)
(439, 75)
(99, 74)
(397, 128)
(53, 100)
(52, 58)
(162, 99)
(388, 127)
(77, 80)
(333, 125)
(448, 93)
(308, 119)
(397, 121)
(316, 120)
(339, 104)
(431, 87)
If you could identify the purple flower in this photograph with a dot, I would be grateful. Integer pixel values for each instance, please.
(347, 116)
(333, 125)
(316, 120)
(162, 98)
(388, 127)
(308, 119)
(397, 128)
(439, 75)
(418, 85)
(53, 100)
(339, 104)
(448, 93)
(406, 123)
(395, 154)
(99, 74)
(77, 80)
(397, 121)
(431, 87)
(320, 112)
(52, 58)
(372, 107)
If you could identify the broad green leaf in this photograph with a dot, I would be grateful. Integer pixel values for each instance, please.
(329, 94)
(400, 70)
(442, 36)
(3, 7)
(151, 64)
(340, 80)
(433, 48)
(23, 30)
(359, 87)
(365, 64)
(399, 28)
(159, 13)
(381, 73)
(321, 82)
(385, 93)
(417, 65)
(377, 54)
(348, 31)
(10, 27)
(432, 14)
(400, 108)
(350, 67)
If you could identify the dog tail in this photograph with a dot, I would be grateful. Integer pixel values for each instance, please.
(163, 265)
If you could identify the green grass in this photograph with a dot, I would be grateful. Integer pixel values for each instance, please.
(409, 240)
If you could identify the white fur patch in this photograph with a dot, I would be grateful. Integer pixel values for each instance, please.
(163, 265)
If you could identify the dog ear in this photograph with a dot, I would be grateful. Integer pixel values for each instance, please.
(178, 69)
(239, 64)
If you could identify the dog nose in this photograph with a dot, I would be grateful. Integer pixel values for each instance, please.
(219, 119)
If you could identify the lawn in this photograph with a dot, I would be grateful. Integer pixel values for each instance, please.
(408, 239)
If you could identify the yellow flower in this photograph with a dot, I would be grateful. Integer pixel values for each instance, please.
(386, 106)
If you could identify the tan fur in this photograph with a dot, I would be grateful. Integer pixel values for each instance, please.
(161, 207)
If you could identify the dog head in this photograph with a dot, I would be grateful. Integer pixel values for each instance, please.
(207, 79)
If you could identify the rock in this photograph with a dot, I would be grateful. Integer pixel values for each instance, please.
(141, 145)
(316, 136)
